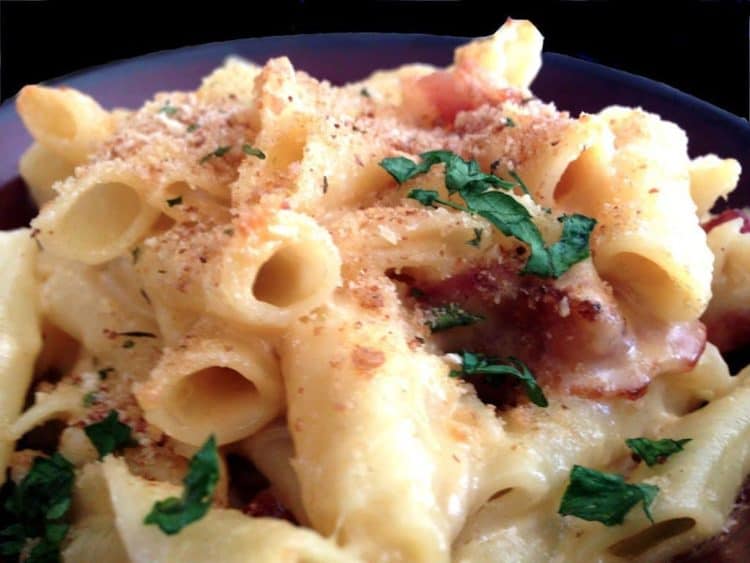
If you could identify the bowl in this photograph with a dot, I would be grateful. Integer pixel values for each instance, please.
(573, 84)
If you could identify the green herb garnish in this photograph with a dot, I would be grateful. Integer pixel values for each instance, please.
(173, 514)
(459, 173)
(216, 153)
(449, 316)
(253, 151)
(654, 452)
(520, 183)
(36, 506)
(494, 370)
(477, 240)
(168, 109)
(604, 497)
(109, 434)
(480, 196)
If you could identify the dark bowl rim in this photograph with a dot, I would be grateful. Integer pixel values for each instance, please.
(566, 61)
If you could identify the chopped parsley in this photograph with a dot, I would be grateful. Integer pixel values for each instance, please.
(216, 153)
(517, 178)
(174, 201)
(494, 369)
(459, 173)
(168, 110)
(173, 514)
(253, 151)
(365, 93)
(480, 196)
(128, 344)
(109, 434)
(654, 452)
(89, 399)
(604, 497)
(192, 127)
(449, 316)
(37, 506)
(477, 240)
(429, 198)
(508, 122)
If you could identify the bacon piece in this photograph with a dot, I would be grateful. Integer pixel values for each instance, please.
(729, 215)
(571, 332)
(441, 95)
(266, 504)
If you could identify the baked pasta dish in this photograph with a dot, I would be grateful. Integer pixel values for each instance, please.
(424, 317)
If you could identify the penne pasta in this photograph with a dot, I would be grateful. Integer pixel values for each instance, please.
(422, 317)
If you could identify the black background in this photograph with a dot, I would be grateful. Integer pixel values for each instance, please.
(698, 47)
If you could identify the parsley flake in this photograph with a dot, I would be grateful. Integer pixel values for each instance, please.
(494, 369)
(654, 452)
(109, 434)
(253, 151)
(36, 506)
(128, 344)
(168, 110)
(459, 173)
(477, 240)
(192, 127)
(508, 122)
(89, 399)
(449, 316)
(364, 92)
(604, 497)
(173, 514)
(507, 214)
(520, 183)
(217, 153)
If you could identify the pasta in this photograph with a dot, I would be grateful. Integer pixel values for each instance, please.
(425, 317)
